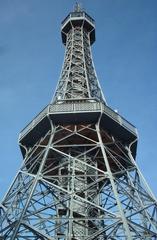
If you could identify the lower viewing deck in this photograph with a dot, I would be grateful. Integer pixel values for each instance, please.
(78, 112)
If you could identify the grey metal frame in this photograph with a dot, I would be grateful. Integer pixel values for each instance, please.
(78, 78)
(78, 180)
(78, 107)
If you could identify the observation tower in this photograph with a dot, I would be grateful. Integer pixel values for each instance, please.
(79, 179)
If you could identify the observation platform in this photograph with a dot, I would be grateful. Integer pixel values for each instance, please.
(78, 19)
(76, 112)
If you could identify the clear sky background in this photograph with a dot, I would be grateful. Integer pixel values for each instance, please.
(31, 56)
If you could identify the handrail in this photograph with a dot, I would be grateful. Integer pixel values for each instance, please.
(78, 15)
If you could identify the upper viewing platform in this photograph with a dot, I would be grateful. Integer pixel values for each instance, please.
(78, 18)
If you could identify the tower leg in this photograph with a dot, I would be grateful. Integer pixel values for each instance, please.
(78, 183)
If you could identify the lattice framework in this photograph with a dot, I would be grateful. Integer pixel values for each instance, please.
(79, 182)
(78, 179)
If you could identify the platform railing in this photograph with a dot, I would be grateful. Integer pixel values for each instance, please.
(76, 107)
(34, 122)
(78, 15)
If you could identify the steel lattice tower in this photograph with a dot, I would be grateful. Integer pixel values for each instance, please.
(79, 179)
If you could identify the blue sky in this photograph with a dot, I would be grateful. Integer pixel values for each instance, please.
(31, 56)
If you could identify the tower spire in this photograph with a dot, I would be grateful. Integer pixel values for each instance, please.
(77, 7)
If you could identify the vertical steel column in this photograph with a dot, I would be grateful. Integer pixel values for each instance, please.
(124, 221)
(35, 182)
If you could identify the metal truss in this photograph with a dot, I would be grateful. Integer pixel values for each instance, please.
(79, 179)
(78, 78)
(78, 183)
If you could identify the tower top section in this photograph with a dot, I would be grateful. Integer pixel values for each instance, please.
(78, 18)
(78, 80)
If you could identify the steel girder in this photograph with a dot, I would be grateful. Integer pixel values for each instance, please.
(78, 78)
(79, 179)
(78, 182)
